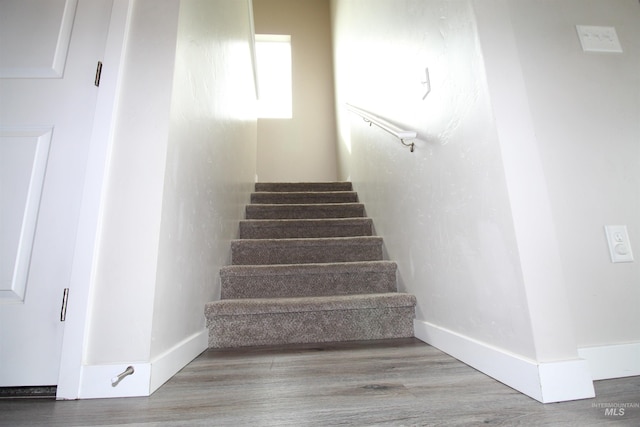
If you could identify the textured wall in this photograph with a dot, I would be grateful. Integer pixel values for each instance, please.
(530, 146)
(302, 148)
(443, 210)
(210, 168)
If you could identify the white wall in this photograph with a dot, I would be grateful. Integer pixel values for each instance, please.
(442, 210)
(181, 166)
(211, 160)
(586, 114)
(302, 148)
(122, 301)
(536, 239)
(468, 216)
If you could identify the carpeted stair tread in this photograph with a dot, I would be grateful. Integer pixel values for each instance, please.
(292, 228)
(304, 211)
(305, 250)
(304, 197)
(233, 307)
(303, 186)
(298, 280)
(321, 268)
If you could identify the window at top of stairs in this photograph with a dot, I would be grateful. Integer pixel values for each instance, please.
(273, 57)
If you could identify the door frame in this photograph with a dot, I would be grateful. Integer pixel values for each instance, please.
(88, 232)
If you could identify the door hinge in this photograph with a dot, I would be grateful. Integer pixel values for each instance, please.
(63, 310)
(98, 74)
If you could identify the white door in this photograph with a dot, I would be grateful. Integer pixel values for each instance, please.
(49, 51)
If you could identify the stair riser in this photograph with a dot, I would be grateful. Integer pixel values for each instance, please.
(303, 186)
(256, 252)
(304, 211)
(304, 198)
(251, 230)
(310, 327)
(307, 285)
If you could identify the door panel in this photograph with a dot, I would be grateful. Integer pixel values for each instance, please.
(44, 26)
(23, 158)
(48, 54)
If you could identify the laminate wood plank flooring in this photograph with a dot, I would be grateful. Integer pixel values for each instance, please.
(400, 382)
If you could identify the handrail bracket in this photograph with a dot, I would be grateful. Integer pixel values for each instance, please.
(411, 145)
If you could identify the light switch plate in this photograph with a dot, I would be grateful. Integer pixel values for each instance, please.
(619, 245)
(598, 39)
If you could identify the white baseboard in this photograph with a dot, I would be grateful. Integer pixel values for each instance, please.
(545, 382)
(612, 361)
(96, 383)
(565, 380)
(171, 361)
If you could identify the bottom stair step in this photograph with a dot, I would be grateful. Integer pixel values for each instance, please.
(273, 321)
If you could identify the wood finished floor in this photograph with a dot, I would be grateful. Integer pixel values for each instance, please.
(396, 382)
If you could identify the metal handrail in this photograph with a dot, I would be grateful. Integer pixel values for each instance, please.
(385, 125)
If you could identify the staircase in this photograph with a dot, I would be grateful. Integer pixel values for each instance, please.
(307, 269)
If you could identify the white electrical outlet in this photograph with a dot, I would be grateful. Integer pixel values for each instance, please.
(619, 246)
(598, 39)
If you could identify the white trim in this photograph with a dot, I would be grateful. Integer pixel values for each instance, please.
(76, 327)
(170, 362)
(275, 38)
(96, 381)
(565, 380)
(252, 48)
(545, 382)
(612, 361)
